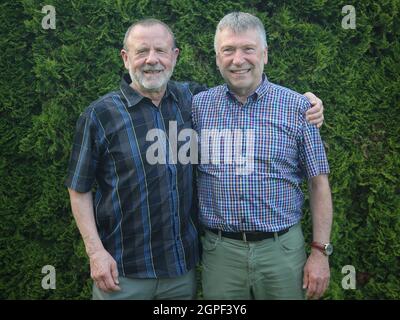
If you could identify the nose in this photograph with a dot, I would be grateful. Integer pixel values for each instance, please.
(152, 57)
(238, 58)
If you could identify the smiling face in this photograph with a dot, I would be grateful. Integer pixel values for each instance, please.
(240, 58)
(150, 57)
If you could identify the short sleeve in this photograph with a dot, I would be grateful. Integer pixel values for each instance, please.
(84, 156)
(312, 153)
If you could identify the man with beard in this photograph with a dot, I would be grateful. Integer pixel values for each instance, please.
(138, 230)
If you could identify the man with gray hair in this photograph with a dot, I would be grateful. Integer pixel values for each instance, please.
(139, 230)
(253, 247)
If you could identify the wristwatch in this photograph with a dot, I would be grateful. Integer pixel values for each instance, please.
(325, 248)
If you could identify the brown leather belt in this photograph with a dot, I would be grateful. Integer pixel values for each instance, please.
(248, 236)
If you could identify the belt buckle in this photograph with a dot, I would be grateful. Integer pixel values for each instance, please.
(244, 236)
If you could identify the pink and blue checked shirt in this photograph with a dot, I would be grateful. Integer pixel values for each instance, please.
(287, 149)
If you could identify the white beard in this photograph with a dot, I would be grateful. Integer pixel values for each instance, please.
(157, 82)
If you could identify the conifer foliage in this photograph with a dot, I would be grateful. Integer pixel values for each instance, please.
(48, 76)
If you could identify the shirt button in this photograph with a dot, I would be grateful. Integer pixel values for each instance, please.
(241, 197)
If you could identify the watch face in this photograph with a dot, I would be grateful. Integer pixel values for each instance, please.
(328, 249)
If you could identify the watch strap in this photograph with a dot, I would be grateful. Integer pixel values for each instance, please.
(318, 246)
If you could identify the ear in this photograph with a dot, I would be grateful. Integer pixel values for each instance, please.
(125, 58)
(265, 54)
(216, 60)
(175, 54)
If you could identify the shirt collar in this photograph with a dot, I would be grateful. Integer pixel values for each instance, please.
(261, 90)
(170, 92)
(133, 97)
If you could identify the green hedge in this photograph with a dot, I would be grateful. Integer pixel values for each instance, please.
(49, 76)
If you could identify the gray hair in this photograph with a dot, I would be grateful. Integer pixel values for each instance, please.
(240, 22)
(148, 23)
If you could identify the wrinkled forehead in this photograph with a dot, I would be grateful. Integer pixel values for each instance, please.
(154, 35)
(228, 36)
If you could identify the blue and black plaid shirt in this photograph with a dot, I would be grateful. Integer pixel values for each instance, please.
(144, 212)
(286, 150)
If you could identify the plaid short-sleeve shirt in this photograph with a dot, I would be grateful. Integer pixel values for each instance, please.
(143, 211)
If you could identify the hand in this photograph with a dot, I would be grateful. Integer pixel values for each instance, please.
(316, 274)
(315, 115)
(104, 271)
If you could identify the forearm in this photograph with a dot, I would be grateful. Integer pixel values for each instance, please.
(82, 209)
(321, 208)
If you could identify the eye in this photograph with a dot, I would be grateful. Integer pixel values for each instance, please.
(227, 50)
(249, 50)
(141, 51)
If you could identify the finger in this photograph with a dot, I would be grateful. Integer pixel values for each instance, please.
(102, 286)
(314, 116)
(324, 286)
(109, 283)
(305, 280)
(314, 110)
(318, 122)
(310, 96)
(319, 289)
(114, 272)
(314, 103)
(311, 288)
(317, 107)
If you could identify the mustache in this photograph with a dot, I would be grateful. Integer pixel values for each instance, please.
(153, 68)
